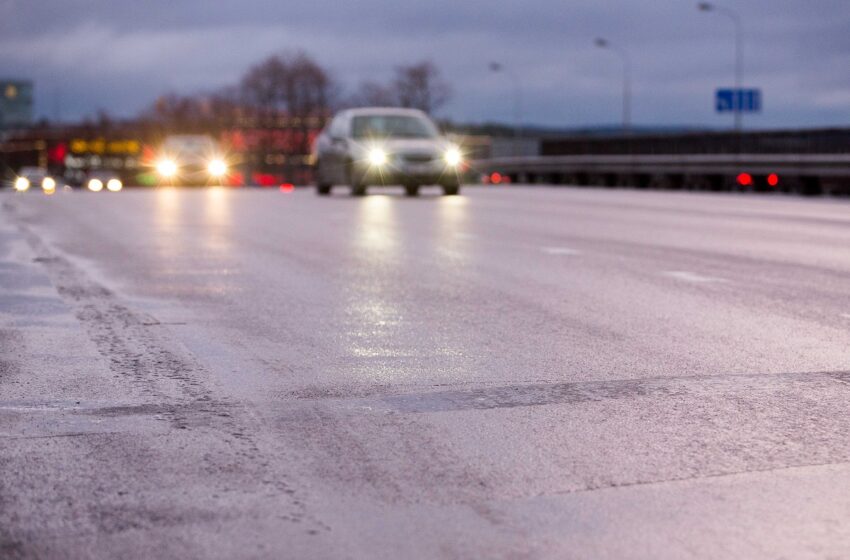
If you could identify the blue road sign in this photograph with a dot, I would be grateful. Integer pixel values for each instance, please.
(730, 100)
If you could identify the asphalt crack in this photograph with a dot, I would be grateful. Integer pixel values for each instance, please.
(487, 396)
(175, 416)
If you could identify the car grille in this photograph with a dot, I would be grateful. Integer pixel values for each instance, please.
(418, 158)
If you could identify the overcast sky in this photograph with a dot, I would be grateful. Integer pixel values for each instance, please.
(117, 55)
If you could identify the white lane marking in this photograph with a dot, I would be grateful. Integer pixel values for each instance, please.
(559, 251)
(686, 276)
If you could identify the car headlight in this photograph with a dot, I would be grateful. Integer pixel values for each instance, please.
(166, 167)
(22, 184)
(48, 184)
(377, 157)
(114, 185)
(95, 185)
(217, 168)
(453, 157)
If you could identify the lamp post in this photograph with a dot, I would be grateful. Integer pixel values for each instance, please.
(627, 79)
(739, 52)
(498, 67)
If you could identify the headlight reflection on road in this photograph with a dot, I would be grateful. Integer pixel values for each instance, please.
(373, 314)
(217, 206)
(452, 241)
(167, 208)
(218, 223)
(376, 216)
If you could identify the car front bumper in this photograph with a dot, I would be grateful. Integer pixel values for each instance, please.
(405, 173)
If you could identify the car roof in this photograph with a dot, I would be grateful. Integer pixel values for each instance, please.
(389, 111)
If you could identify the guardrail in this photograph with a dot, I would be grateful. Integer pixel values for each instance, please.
(803, 173)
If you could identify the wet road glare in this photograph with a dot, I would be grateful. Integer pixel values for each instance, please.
(517, 372)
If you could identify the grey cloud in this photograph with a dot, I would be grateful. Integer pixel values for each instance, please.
(797, 51)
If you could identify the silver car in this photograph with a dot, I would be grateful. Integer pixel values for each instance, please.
(385, 146)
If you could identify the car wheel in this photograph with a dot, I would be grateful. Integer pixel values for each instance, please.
(411, 190)
(451, 189)
(358, 187)
(322, 185)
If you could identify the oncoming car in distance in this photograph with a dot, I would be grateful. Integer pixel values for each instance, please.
(191, 160)
(36, 177)
(101, 179)
(385, 146)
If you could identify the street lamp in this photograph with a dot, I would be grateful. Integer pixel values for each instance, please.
(498, 67)
(739, 52)
(627, 79)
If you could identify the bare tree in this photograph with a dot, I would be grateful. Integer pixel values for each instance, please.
(104, 120)
(306, 94)
(172, 111)
(262, 84)
(421, 87)
(373, 94)
(291, 91)
(289, 96)
(224, 105)
(188, 113)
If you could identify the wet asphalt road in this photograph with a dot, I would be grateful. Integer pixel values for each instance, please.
(513, 373)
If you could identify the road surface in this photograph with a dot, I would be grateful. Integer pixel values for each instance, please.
(520, 372)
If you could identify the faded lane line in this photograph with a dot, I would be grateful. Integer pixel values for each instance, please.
(560, 251)
(686, 276)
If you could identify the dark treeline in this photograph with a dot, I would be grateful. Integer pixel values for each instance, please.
(294, 91)
(273, 113)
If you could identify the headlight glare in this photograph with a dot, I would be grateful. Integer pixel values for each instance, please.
(114, 185)
(377, 157)
(217, 168)
(48, 184)
(166, 167)
(453, 157)
(95, 185)
(22, 184)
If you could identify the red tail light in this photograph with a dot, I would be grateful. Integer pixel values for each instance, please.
(745, 179)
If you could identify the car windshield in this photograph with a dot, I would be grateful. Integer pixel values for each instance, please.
(391, 126)
(189, 145)
(102, 174)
